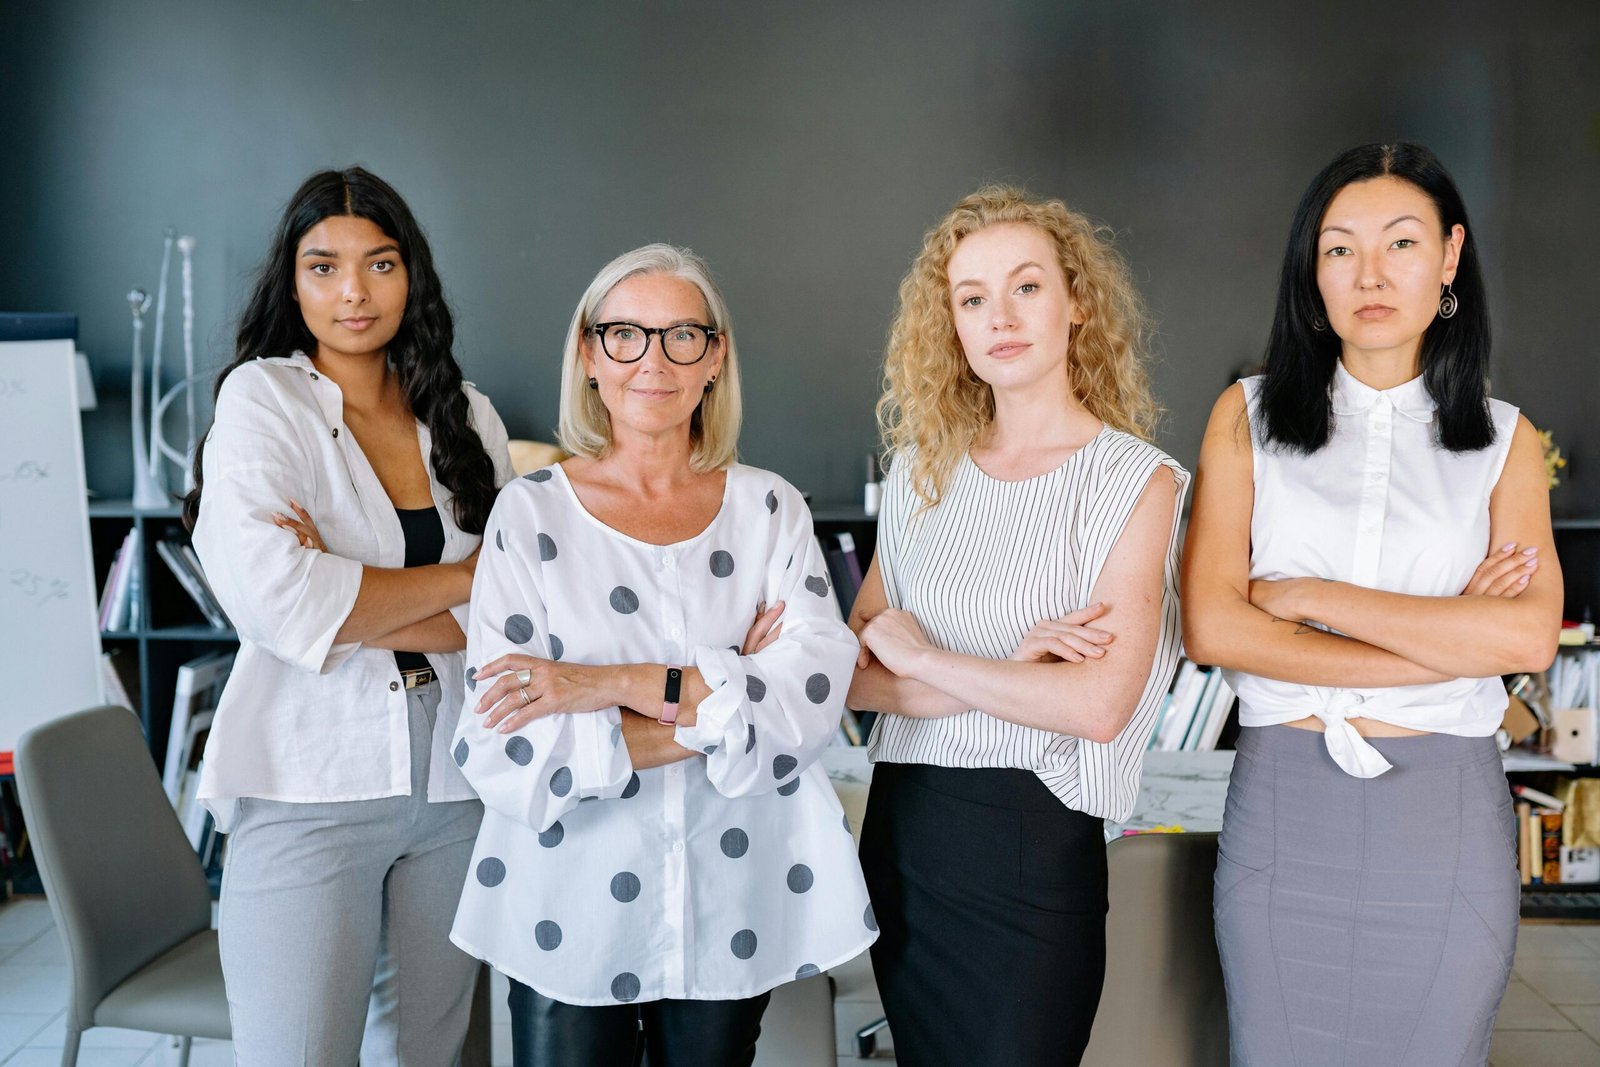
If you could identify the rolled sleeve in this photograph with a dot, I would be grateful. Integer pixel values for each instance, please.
(540, 772)
(770, 715)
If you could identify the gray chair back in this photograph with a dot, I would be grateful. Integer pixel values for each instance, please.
(1163, 1002)
(123, 882)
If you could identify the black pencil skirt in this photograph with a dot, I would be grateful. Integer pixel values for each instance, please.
(990, 896)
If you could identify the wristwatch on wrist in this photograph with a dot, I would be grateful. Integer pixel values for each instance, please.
(669, 699)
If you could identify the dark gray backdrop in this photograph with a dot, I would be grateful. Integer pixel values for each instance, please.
(803, 149)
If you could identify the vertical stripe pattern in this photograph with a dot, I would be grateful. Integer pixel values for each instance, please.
(994, 558)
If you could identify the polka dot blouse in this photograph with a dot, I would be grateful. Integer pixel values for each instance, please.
(716, 877)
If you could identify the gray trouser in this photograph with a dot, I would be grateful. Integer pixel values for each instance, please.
(329, 907)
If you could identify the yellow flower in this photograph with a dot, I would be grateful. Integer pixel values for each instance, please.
(1553, 460)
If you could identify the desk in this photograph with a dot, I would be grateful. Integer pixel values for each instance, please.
(1185, 789)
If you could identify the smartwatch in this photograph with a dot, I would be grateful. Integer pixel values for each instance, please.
(669, 699)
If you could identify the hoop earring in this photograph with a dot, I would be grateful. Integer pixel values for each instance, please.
(594, 383)
(1319, 324)
(1448, 304)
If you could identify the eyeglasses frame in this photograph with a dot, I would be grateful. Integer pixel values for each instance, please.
(599, 331)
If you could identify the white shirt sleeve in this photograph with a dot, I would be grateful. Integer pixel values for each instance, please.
(770, 715)
(540, 772)
(287, 599)
(492, 432)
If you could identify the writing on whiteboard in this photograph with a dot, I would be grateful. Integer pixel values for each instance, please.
(27, 471)
(37, 589)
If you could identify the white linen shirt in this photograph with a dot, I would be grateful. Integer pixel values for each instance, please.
(1382, 506)
(301, 718)
(713, 878)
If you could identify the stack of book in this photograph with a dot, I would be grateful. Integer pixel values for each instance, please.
(1542, 857)
(1193, 714)
(121, 598)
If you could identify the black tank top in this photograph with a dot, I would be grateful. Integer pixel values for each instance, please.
(423, 530)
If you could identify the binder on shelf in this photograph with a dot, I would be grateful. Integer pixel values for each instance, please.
(844, 568)
(193, 582)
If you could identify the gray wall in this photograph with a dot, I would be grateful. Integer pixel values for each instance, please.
(803, 152)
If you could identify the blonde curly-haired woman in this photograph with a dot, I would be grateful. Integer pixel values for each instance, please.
(1019, 625)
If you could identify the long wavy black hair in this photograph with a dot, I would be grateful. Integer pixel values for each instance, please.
(1297, 395)
(421, 353)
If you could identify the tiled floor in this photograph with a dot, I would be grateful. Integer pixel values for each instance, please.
(1550, 1016)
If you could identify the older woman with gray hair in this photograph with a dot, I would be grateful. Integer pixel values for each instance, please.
(614, 662)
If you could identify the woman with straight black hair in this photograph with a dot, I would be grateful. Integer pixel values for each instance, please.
(1370, 548)
(346, 482)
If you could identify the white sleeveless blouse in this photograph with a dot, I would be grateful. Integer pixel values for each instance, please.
(1381, 505)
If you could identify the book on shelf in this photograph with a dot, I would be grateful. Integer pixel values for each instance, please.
(185, 566)
(119, 601)
(1194, 712)
(198, 687)
(844, 568)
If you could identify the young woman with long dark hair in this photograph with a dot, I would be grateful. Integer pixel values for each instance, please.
(1370, 548)
(340, 498)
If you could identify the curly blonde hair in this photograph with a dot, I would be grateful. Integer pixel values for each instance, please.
(934, 407)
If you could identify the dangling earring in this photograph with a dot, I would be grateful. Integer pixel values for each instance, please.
(709, 384)
(1448, 304)
(593, 384)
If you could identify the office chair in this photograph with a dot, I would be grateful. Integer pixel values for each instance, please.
(124, 885)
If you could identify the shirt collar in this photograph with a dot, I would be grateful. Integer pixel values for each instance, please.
(1353, 397)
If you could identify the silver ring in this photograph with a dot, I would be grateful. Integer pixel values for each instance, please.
(525, 676)
(526, 699)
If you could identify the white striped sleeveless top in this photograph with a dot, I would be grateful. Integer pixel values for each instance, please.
(992, 559)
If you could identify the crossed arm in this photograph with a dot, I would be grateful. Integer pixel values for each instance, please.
(1504, 621)
(1067, 676)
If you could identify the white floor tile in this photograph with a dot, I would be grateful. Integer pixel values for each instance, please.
(1562, 981)
(206, 1053)
(87, 1057)
(1538, 941)
(1587, 1016)
(18, 1028)
(55, 1035)
(1528, 1048)
(1523, 1009)
(33, 987)
(23, 920)
(46, 948)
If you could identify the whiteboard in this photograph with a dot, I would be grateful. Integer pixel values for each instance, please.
(49, 626)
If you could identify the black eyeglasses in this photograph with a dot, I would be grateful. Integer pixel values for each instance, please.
(626, 342)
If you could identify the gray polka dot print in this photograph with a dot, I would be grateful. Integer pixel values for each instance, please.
(520, 751)
(500, 540)
(625, 887)
(721, 564)
(519, 629)
(547, 548)
(491, 872)
(557, 649)
(561, 781)
(749, 736)
(870, 919)
(631, 790)
(624, 601)
(807, 970)
(783, 765)
(735, 843)
(539, 476)
(788, 789)
(800, 878)
(625, 986)
(818, 688)
(772, 502)
(817, 584)
(743, 944)
(472, 679)
(754, 688)
(552, 837)
(461, 753)
(547, 935)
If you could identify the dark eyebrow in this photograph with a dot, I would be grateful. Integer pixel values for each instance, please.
(1396, 222)
(323, 253)
(1403, 218)
(1018, 269)
(1332, 229)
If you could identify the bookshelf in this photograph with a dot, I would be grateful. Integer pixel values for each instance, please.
(168, 628)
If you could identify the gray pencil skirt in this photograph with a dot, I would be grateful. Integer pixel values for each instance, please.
(1365, 921)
